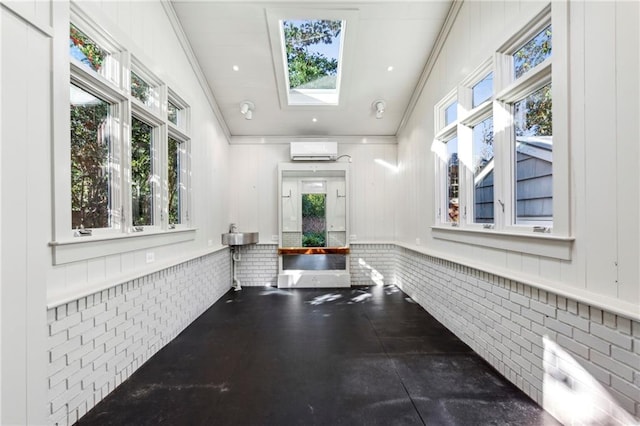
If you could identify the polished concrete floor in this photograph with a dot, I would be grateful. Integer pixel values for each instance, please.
(365, 356)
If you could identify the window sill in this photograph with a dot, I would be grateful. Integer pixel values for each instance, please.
(83, 248)
(536, 244)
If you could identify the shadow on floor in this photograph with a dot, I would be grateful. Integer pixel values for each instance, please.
(360, 356)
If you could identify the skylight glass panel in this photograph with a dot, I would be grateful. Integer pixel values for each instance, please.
(313, 52)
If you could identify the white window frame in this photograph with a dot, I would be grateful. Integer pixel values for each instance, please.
(513, 90)
(555, 242)
(185, 180)
(158, 133)
(445, 133)
(112, 83)
(468, 118)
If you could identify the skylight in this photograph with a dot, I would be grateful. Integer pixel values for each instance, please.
(313, 52)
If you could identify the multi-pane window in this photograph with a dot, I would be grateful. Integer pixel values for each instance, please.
(129, 143)
(532, 132)
(496, 166)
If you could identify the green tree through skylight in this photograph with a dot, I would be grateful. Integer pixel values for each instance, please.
(312, 48)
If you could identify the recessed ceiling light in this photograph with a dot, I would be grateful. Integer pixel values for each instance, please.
(235, 68)
(390, 68)
(314, 119)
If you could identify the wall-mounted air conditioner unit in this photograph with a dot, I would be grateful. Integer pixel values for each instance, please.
(314, 151)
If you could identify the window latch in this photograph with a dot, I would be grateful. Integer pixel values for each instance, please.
(542, 229)
(83, 232)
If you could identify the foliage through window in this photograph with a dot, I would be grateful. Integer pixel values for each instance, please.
(534, 52)
(142, 188)
(84, 49)
(90, 161)
(312, 50)
(174, 181)
(314, 220)
(140, 89)
(129, 166)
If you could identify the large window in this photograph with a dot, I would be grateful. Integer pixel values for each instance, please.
(495, 150)
(129, 142)
(91, 161)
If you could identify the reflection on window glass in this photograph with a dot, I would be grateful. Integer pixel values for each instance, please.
(90, 161)
(451, 113)
(314, 223)
(312, 49)
(532, 53)
(172, 113)
(534, 158)
(141, 172)
(85, 50)
(453, 200)
(483, 171)
(140, 89)
(174, 181)
(483, 90)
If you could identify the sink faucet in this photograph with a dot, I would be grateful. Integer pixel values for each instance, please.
(233, 228)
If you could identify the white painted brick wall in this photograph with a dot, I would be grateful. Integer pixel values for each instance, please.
(372, 263)
(505, 321)
(98, 341)
(258, 266)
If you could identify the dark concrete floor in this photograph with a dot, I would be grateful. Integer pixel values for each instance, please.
(365, 356)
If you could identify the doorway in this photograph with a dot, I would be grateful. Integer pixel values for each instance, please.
(313, 249)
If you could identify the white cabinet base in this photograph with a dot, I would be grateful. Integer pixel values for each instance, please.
(314, 279)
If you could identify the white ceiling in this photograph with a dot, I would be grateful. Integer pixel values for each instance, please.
(394, 33)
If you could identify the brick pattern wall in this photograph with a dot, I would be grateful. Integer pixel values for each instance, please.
(505, 322)
(373, 264)
(258, 266)
(291, 239)
(98, 341)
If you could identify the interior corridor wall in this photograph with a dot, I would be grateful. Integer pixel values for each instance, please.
(254, 190)
(34, 78)
(602, 59)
